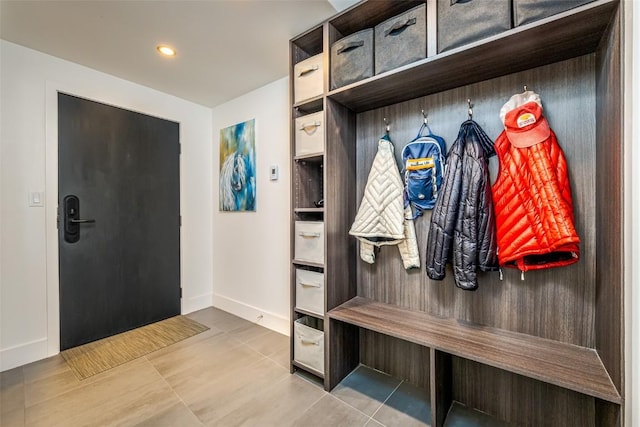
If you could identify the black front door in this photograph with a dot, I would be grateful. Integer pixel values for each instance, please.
(119, 220)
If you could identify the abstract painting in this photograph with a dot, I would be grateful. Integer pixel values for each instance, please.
(238, 167)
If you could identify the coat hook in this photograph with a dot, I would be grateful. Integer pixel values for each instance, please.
(386, 125)
(425, 118)
(470, 108)
(525, 88)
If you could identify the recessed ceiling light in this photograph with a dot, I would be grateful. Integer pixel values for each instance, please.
(166, 50)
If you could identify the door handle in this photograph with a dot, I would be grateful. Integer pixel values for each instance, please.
(72, 220)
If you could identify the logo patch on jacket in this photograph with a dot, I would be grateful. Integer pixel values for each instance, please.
(422, 163)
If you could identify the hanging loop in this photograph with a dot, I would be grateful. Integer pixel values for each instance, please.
(470, 111)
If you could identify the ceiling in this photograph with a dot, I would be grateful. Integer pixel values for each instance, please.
(225, 48)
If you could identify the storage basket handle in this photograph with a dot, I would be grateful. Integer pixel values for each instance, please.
(350, 46)
(310, 285)
(309, 342)
(399, 26)
(308, 70)
(310, 126)
(310, 235)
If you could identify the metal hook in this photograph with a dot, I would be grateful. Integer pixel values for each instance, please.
(386, 125)
(525, 88)
(425, 118)
(470, 111)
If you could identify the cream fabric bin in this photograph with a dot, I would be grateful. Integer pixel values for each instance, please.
(308, 343)
(309, 241)
(310, 134)
(310, 291)
(308, 78)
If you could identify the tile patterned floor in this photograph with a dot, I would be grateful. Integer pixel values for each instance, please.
(234, 374)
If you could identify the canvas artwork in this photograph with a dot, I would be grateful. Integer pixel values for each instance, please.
(238, 167)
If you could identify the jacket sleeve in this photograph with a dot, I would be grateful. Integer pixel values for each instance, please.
(443, 216)
(465, 251)
(487, 237)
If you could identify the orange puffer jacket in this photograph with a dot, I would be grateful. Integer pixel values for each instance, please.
(534, 210)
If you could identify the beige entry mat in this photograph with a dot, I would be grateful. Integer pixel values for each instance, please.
(99, 356)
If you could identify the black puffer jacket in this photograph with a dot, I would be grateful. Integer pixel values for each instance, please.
(463, 226)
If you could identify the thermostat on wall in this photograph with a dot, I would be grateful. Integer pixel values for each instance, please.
(273, 171)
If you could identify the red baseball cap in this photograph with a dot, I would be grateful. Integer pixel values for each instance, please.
(525, 125)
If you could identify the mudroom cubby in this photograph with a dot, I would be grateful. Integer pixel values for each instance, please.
(546, 350)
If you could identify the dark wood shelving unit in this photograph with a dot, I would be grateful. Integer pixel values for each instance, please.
(545, 351)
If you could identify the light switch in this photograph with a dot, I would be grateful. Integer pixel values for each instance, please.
(36, 199)
(273, 172)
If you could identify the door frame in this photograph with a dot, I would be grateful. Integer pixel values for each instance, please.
(92, 93)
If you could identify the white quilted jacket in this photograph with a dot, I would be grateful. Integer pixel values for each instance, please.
(381, 218)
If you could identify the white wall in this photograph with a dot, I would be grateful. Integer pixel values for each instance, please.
(29, 80)
(251, 260)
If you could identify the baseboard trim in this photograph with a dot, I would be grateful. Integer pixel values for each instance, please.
(22, 354)
(189, 305)
(253, 314)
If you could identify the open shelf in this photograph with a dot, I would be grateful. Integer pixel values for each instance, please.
(308, 313)
(308, 369)
(308, 264)
(313, 157)
(565, 365)
(308, 210)
(567, 35)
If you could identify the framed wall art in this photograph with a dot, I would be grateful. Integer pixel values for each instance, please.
(238, 167)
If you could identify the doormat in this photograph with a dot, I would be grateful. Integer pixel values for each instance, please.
(99, 356)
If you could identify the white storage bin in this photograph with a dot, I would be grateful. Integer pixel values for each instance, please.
(309, 241)
(308, 78)
(308, 343)
(310, 291)
(310, 134)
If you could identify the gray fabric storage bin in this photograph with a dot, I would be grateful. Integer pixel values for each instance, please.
(461, 22)
(525, 11)
(352, 58)
(401, 40)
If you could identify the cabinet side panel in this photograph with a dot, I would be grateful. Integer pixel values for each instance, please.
(398, 358)
(517, 399)
(339, 196)
(609, 190)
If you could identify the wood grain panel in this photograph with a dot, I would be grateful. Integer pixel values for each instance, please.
(566, 365)
(609, 195)
(441, 386)
(554, 39)
(342, 353)
(519, 400)
(556, 303)
(340, 202)
(400, 359)
(608, 414)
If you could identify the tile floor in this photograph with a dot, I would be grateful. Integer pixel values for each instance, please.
(234, 374)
